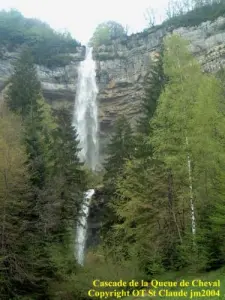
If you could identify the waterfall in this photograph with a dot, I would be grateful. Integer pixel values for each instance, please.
(85, 111)
(86, 123)
(82, 227)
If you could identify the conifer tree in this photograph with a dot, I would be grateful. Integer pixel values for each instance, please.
(25, 88)
(143, 217)
(66, 169)
(154, 85)
(120, 149)
(19, 262)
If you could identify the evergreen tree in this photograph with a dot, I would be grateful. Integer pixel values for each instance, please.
(154, 85)
(144, 217)
(120, 149)
(25, 88)
(19, 258)
(39, 141)
(67, 170)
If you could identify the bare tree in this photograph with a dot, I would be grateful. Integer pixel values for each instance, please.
(178, 7)
(150, 16)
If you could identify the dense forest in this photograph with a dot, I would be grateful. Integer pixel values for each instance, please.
(163, 181)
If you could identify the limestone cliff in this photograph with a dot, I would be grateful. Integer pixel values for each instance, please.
(123, 65)
(121, 68)
(58, 84)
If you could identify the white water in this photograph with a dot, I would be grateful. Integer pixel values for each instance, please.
(86, 111)
(86, 123)
(82, 227)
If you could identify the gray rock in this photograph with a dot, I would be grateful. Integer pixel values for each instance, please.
(123, 65)
(121, 68)
(58, 84)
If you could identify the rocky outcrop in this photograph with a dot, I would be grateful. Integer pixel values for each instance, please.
(58, 84)
(123, 65)
(121, 68)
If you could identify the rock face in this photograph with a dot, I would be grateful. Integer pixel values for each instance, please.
(123, 65)
(58, 84)
(121, 68)
(95, 218)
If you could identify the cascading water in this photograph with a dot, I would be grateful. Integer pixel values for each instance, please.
(86, 123)
(85, 111)
(82, 227)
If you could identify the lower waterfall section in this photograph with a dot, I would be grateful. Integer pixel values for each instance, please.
(82, 227)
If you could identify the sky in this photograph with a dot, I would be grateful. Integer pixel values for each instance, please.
(80, 17)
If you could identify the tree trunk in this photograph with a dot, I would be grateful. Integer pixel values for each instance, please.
(170, 199)
(193, 221)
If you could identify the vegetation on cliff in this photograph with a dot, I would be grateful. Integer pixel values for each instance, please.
(167, 200)
(48, 47)
(197, 13)
(106, 32)
(42, 185)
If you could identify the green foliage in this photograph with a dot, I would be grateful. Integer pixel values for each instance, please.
(139, 198)
(14, 194)
(157, 192)
(48, 47)
(119, 150)
(180, 116)
(198, 15)
(106, 32)
(67, 171)
(154, 85)
(143, 213)
(25, 87)
(51, 186)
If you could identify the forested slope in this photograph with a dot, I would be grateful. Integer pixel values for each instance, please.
(41, 188)
(48, 47)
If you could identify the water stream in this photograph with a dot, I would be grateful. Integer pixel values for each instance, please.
(86, 123)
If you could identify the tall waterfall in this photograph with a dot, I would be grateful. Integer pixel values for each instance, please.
(85, 111)
(86, 123)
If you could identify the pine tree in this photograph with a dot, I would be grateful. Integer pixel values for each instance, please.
(55, 176)
(67, 170)
(24, 98)
(154, 85)
(143, 216)
(120, 149)
(18, 234)
(39, 140)
(25, 88)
